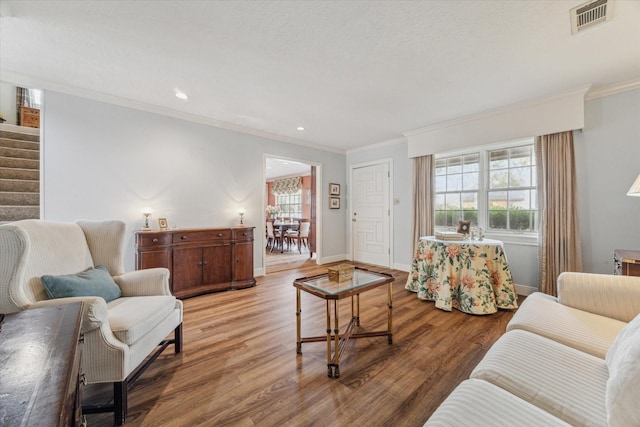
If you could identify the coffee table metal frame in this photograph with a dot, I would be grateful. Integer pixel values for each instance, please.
(320, 286)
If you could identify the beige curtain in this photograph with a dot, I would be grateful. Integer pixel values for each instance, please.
(559, 244)
(423, 196)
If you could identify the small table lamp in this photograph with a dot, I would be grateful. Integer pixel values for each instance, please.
(241, 212)
(146, 212)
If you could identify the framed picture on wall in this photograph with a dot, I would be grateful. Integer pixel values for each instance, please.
(334, 202)
(163, 224)
(334, 189)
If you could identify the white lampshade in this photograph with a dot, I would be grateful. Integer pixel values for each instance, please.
(635, 188)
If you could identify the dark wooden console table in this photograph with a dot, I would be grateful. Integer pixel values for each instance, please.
(201, 260)
(40, 367)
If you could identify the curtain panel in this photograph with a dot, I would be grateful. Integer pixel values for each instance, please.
(423, 197)
(559, 247)
(286, 185)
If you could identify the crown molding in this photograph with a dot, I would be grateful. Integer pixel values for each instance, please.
(600, 92)
(37, 83)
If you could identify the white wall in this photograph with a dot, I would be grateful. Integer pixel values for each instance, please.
(607, 155)
(102, 161)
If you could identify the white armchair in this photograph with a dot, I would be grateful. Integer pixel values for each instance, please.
(121, 337)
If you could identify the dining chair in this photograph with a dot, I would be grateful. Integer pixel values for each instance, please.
(303, 234)
(273, 236)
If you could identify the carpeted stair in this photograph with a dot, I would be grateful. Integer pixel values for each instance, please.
(19, 173)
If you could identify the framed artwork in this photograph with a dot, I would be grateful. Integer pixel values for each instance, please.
(464, 227)
(162, 222)
(334, 202)
(334, 190)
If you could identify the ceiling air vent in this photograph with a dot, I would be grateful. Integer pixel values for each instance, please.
(590, 14)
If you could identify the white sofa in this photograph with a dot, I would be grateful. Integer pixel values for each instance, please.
(121, 337)
(571, 360)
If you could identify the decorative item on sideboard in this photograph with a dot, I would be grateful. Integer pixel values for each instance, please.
(241, 212)
(146, 211)
(163, 223)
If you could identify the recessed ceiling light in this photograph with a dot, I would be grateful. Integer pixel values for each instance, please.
(181, 95)
(300, 128)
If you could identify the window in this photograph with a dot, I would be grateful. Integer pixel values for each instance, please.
(290, 204)
(511, 196)
(457, 189)
(493, 187)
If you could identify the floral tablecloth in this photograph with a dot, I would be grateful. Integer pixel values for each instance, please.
(470, 276)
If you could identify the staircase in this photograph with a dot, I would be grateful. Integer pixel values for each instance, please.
(19, 173)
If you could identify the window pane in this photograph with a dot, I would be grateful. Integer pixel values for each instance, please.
(439, 201)
(497, 200)
(519, 199)
(470, 181)
(452, 201)
(520, 156)
(498, 159)
(498, 219)
(520, 177)
(441, 183)
(471, 163)
(499, 178)
(520, 220)
(469, 200)
(441, 166)
(454, 182)
(441, 218)
(454, 165)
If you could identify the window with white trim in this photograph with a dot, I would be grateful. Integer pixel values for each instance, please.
(290, 204)
(494, 187)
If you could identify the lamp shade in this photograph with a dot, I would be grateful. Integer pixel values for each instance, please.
(635, 188)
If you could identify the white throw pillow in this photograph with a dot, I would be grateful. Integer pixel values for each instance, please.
(623, 385)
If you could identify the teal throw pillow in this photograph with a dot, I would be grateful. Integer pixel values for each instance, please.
(93, 282)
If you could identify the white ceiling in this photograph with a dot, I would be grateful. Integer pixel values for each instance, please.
(353, 73)
(279, 168)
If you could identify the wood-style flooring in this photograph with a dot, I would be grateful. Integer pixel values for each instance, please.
(239, 365)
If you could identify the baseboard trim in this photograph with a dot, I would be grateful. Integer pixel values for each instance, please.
(525, 290)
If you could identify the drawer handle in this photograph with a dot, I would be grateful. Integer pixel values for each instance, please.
(183, 237)
(220, 234)
(244, 234)
(83, 379)
(155, 240)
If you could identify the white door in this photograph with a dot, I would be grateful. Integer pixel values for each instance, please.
(370, 215)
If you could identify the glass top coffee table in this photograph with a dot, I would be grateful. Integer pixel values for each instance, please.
(320, 286)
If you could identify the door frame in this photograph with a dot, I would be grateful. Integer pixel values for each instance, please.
(389, 162)
(318, 202)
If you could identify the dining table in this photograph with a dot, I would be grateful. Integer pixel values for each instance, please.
(283, 226)
(471, 276)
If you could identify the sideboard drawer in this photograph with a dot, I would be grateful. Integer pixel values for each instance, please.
(242, 233)
(153, 239)
(199, 236)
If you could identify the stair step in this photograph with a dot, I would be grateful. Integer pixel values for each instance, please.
(19, 185)
(15, 173)
(19, 199)
(18, 132)
(17, 143)
(19, 153)
(16, 213)
(9, 162)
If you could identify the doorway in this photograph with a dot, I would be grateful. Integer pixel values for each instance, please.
(290, 189)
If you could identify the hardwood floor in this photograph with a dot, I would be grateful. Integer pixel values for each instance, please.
(239, 365)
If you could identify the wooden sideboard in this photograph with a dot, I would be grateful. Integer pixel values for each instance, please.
(201, 260)
(626, 263)
(40, 351)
